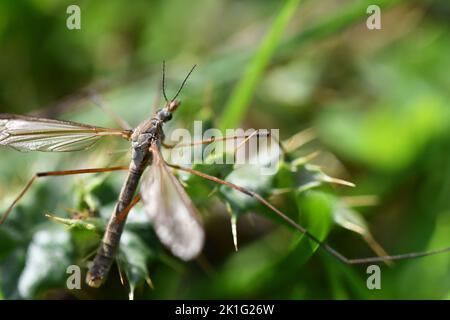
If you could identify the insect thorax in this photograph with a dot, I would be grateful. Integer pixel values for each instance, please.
(148, 133)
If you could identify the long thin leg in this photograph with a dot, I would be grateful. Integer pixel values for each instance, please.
(123, 215)
(303, 230)
(54, 174)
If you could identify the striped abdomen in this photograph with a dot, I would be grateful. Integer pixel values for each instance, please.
(111, 239)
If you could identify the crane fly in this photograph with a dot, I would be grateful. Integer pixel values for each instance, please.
(171, 211)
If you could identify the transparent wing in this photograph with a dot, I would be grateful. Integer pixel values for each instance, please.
(37, 134)
(171, 211)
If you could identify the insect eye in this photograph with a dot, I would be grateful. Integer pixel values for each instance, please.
(164, 115)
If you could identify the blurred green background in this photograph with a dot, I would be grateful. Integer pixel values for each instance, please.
(378, 101)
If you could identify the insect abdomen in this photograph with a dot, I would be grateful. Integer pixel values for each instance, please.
(111, 239)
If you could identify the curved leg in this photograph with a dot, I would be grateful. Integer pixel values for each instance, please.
(303, 230)
(54, 174)
(123, 215)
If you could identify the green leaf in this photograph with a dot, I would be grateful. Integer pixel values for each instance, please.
(90, 224)
(84, 194)
(200, 188)
(133, 257)
(350, 219)
(48, 256)
(258, 176)
(8, 241)
(248, 177)
(239, 102)
(284, 177)
(262, 271)
(315, 210)
(353, 221)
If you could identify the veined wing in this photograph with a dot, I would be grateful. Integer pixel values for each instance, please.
(171, 211)
(36, 134)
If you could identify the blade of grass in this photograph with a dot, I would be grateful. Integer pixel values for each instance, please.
(238, 103)
(222, 66)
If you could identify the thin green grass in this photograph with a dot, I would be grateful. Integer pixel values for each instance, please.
(239, 102)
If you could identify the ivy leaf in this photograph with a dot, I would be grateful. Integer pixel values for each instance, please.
(48, 256)
(133, 257)
(84, 194)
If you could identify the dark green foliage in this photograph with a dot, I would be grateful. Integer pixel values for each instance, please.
(378, 101)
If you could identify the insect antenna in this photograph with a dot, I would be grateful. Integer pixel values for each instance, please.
(164, 82)
(181, 87)
(183, 83)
